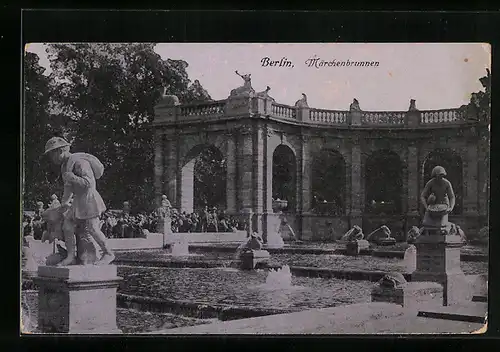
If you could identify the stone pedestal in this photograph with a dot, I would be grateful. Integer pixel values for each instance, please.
(250, 259)
(77, 299)
(355, 247)
(410, 295)
(438, 260)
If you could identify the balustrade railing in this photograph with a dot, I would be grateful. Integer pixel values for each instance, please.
(282, 110)
(205, 109)
(383, 117)
(443, 116)
(337, 117)
(334, 117)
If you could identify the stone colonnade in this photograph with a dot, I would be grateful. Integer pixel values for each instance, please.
(247, 132)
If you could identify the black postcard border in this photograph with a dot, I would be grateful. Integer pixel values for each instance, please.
(236, 26)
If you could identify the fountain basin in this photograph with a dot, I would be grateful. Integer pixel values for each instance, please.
(239, 288)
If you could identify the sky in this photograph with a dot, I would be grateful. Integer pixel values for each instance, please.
(437, 75)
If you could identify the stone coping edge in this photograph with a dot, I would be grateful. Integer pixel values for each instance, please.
(466, 257)
(453, 316)
(304, 271)
(193, 309)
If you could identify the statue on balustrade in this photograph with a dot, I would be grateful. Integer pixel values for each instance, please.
(302, 102)
(265, 94)
(438, 200)
(246, 89)
(168, 99)
(354, 105)
(413, 106)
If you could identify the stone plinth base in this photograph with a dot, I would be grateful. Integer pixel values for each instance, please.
(390, 241)
(438, 260)
(77, 299)
(456, 288)
(355, 247)
(250, 259)
(410, 295)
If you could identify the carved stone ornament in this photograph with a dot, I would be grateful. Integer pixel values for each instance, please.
(168, 99)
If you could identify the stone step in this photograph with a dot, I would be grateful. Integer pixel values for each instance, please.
(470, 312)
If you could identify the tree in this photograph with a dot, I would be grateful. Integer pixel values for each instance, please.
(480, 102)
(39, 125)
(210, 179)
(109, 91)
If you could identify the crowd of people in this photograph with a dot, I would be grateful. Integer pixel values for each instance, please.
(122, 224)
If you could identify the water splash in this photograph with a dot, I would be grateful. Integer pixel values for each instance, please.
(179, 249)
(274, 240)
(280, 278)
(410, 259)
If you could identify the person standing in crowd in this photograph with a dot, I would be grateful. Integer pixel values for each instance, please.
(204, 219)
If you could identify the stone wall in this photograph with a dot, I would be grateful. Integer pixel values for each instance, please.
(324, 228)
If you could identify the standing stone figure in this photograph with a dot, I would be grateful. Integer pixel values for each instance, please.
(164, 217)
(413, 106)
(81, 204)
(302, 102)
(126, 208)
(354, 105)
(438, 193)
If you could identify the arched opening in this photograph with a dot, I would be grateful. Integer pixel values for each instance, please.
(453, 166)
(285, 177)
(203, 179)
(328, 183)
(384, 183)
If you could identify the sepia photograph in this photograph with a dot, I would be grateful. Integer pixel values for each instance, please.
(255, 188)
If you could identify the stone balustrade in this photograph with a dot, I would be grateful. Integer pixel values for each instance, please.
(383, 117)
(224, 109)
(443, 116)
(330, 117)
(283, 111)
(205, 109)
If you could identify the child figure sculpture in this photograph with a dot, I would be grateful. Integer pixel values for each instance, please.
(437, 193)
(81, 204)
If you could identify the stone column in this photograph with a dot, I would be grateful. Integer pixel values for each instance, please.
(77, 299)
(483, 172)
(272, 141)
(245, 168)
(158, 162)
(413, 171)
(187, 187)
(357, 191)
(171, 169)
(231, 175)
(304, 166)
(259, 201)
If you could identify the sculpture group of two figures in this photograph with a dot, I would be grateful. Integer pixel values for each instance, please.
(76, 221)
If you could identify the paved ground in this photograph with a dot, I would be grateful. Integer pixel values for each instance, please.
(367, 318)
